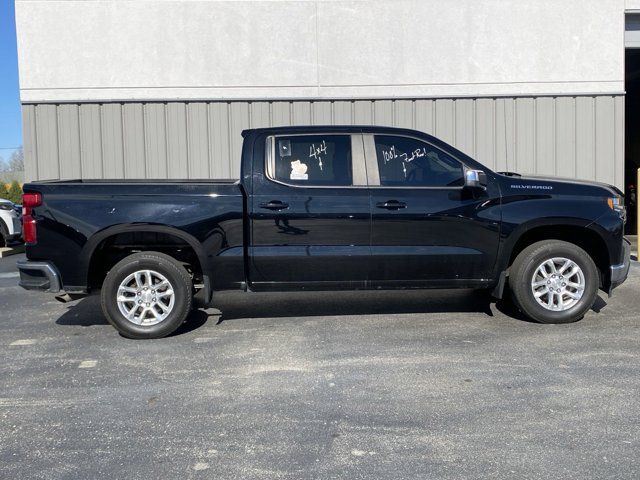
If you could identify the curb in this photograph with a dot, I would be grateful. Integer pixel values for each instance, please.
(8, 251)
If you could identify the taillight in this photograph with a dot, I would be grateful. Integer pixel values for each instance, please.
(29, 202)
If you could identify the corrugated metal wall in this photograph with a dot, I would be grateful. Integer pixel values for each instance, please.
(580, 136)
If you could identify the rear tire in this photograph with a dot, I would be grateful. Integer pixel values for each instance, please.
(554, 282)
(147, 295)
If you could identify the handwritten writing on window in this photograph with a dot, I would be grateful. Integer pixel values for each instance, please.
(316, 152)
(392, 154)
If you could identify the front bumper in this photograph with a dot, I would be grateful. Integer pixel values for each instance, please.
(39, 276)
(620, 272)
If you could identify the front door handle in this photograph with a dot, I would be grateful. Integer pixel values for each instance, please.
(391, 205)
(274, 205)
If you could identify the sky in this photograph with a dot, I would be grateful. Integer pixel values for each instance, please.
(10, 116)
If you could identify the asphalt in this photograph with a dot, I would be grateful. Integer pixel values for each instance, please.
(371, 385)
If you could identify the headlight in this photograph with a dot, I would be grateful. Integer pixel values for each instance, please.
(6, 206)
(617, 204)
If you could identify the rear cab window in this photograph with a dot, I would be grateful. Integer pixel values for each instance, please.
(408, 162)
(312, 160)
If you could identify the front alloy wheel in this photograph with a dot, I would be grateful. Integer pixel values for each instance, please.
(554, 281)
(558, 284)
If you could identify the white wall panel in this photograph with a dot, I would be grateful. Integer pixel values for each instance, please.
(465, 125)
(281, 113)
(425, 116)
(525, 123)
(198, 148)
(144, 50)
(445, 120)
(586, 138)
(363, 112)
(545, 135)
(29, 130)
(605, 139)
(155, 136)
(219, 140)
(176, 115)
(485, 137)
(90, 142)
(69, 142)
(112, 144)
(133, 141)
(565, 142)
(322, 112)
(47, 141)
(342, 113)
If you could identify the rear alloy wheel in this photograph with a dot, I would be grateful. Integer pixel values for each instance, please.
(147, 295)
(554, 282)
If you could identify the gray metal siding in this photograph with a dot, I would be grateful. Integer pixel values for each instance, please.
(581, 136)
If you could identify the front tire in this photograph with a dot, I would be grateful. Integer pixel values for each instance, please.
(554, 282)
(4, 234)
(147, 295)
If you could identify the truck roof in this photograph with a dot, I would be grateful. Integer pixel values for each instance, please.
(335, 128)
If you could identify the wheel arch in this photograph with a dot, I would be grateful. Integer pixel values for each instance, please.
(93, 247)
(579, 233)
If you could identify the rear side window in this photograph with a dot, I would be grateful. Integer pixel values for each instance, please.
(313, 160)
(409, 162)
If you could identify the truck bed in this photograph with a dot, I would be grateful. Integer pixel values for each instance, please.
(77, 216)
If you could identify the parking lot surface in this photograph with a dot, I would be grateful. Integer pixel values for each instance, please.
(368, 385)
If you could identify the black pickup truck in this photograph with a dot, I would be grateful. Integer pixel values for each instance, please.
(325, 208)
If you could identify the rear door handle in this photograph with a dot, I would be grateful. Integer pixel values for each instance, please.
(274, 205)
(391, 205)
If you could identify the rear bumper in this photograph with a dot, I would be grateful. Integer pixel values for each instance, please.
(39, 276)
(620, 272)
(14, 237)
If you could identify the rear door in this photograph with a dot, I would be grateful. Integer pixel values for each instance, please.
(426, 228)
(309, 213)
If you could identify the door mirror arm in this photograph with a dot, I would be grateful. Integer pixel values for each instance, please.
(475, 179)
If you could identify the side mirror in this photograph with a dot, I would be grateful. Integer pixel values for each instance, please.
(475, 179)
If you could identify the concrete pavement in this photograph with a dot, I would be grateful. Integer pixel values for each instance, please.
(368, 385)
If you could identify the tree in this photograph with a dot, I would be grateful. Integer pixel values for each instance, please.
(4, 191)
(15, 192)
(16, 160)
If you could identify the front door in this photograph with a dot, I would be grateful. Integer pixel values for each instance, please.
(310, 216)
(427, 229)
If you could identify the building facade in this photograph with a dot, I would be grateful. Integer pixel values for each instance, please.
(163, 88)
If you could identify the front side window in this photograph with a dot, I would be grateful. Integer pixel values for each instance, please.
(313, 160)
(405, 162)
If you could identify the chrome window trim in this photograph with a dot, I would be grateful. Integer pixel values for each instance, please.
(374, 172)
(358, 167)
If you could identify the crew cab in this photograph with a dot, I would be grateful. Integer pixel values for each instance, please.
(325, 208)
